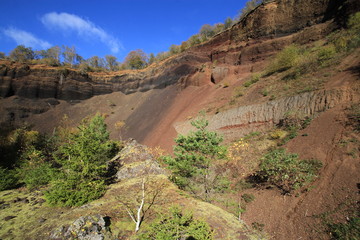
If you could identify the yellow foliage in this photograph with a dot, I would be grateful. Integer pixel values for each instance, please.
(278, 134)
(234, 151)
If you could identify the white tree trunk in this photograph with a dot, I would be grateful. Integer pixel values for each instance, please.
(139, 217)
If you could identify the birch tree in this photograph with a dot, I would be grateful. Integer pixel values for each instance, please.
(141, 198)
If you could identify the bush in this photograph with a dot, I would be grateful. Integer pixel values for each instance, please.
(348, 39)
(254, 78)
(284, 60)
(248, 198)
(178, 225)
(286, 171)
(8, 179)
(346, 231)
(34, 171)
(74, 191)
(354, 116)
(83, 159)
(326, 53)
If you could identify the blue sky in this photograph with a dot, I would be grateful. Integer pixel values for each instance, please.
(116, 27)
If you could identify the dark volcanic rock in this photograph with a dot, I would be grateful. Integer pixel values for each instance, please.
(89, 228)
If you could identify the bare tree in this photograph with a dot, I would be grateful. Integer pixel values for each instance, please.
(69, 54)
(139, 203)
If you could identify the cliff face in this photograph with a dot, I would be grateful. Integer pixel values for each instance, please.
(244, 42)
(237, 122)
(264, 31)
(43, 82)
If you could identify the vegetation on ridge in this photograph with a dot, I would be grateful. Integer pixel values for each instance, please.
(136, 59)
(177, 225)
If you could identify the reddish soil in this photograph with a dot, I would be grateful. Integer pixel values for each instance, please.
(296, 217)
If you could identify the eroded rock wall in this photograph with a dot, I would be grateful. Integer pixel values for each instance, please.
(237, 122)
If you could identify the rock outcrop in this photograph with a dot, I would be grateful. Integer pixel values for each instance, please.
(84, 228)
(34, 82)
(237, 122)
(135, 160)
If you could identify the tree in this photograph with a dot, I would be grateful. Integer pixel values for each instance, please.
(2, 55)
(111, 62)
(174, 49)
(151, 58)
(69, 54)
(50, 56)
(96, 62)
(206, 31)
(54, 53)
(250, 5)
(184, 46)
(194, 40)
(218, 27)
(22, 54)
(136, 59)
(228, 23)
(162, 56)
(140, 199)
(194, 156)
(82, 158)
(178, 225)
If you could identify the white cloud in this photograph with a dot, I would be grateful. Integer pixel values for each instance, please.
(25, 38)
(84, 28)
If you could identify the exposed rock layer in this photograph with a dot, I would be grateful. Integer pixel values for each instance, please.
(245, 42)
(237, 122)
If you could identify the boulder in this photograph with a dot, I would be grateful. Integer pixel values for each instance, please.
(84, 228)
(135, 160)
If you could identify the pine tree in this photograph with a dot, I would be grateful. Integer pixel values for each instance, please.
(83, 159)
(194, 155)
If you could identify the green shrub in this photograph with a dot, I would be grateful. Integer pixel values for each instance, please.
(254, 78)
(285, 59)
(34, 171)
(33, 165)
(222, 184)
(248, 198)
(346, 231)
(354, 31)
(8, 179)
(345, 40)
(326, 53)
(38, 176)
(286, 171)
(74, 191)
(83, 157)
(178, 225)
(354, 116)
